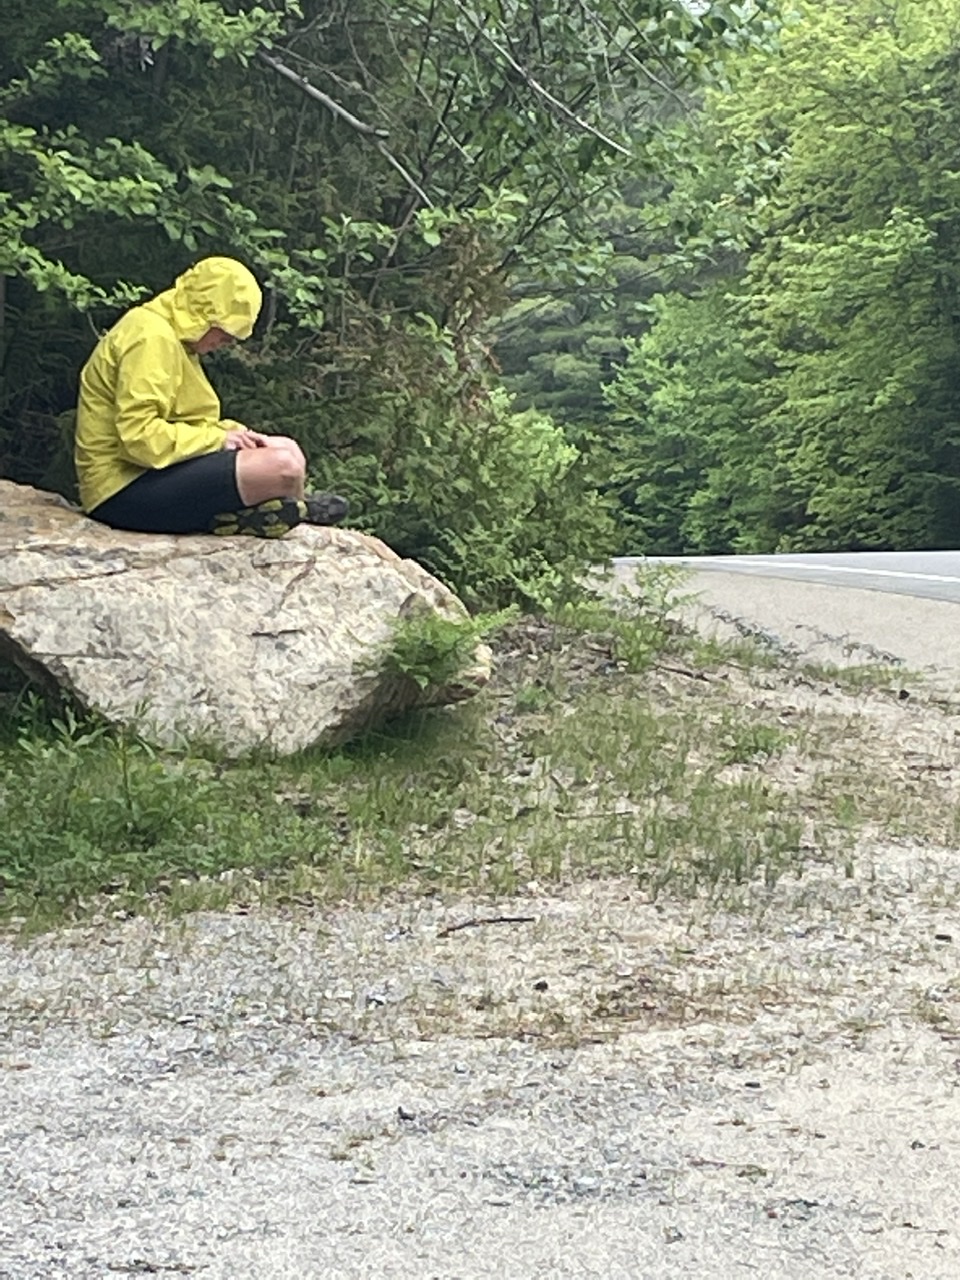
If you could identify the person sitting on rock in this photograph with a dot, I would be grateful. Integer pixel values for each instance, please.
(153, 454)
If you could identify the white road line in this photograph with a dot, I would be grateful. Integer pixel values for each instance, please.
(818, 568)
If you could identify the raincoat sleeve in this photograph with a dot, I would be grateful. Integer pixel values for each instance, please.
(147, 384)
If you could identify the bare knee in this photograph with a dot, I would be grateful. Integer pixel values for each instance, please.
(277, 472)
(289, 445)
(291, 465)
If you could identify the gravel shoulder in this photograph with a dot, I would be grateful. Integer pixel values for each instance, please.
(830, 624)
(602, 1085)
(615, 1088)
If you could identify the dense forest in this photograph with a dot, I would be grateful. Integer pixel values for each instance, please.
(544, 281)
(797, 387)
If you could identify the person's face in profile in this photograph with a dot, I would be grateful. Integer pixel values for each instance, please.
(212, 340)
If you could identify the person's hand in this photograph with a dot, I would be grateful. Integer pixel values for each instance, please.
(243, 440)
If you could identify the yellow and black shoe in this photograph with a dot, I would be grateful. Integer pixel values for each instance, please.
(271, 519)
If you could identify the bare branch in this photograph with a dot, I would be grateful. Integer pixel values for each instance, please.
(642, 35)
(407, 177)
(310, 65)
(312, 91)
(631, 57)
(478, 921)
(417, 86)
(375, 135)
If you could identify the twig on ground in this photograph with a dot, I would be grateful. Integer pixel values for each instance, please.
(477, 921)
(683, 671)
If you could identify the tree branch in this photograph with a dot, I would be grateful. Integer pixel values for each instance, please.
(640, 65)
(368, 130)
(375, 135)
(407, 177)
(538, 88)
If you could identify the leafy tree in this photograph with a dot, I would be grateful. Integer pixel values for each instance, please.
(559, 346)
(680, 479)
(821, 396)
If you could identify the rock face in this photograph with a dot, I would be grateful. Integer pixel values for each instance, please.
(243, 641)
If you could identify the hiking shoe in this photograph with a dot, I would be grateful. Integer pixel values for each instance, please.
(270, 519)
(325, 508)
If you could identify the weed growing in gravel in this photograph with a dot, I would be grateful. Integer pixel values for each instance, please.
(744, 740)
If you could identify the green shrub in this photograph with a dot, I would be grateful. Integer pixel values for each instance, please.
(433, 650)
(498, 504)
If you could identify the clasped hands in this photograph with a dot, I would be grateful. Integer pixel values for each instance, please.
(245, 440)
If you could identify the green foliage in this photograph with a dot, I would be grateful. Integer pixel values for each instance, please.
(807, 396)
(569, 764)
(601, 779)
(498, 504)
(203, 22)
(640, 625)
(433, 651)
(89, 810)
(558, 349)
(82, 794)
(180, 81)
(680, 471)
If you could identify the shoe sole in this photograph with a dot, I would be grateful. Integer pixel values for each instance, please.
(271, 519)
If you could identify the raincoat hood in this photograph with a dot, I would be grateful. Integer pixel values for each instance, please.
(216, 293)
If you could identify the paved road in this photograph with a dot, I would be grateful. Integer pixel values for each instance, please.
(931, 574)
(899, 608)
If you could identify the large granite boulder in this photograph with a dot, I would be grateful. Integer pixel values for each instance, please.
(244, 641)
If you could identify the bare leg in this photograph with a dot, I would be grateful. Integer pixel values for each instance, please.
(277, 470)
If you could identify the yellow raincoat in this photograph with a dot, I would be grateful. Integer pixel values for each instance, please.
(145, 401)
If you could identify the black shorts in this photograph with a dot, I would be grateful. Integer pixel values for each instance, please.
(182, 498)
